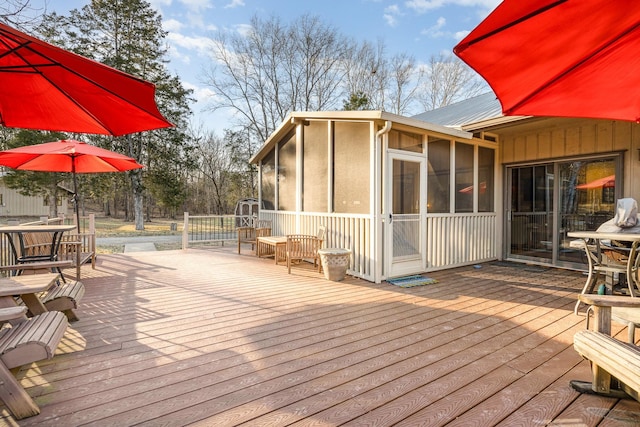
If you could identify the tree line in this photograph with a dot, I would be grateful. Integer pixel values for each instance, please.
(259, 76)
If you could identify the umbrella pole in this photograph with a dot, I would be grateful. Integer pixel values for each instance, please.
(75, 192)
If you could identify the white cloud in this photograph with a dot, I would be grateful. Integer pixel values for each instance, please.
(196, 19)
(234, 4)
(172, 25)
(197, 5)
(435, 31)
(459, 35)
(394, 9)
(390, 19)
(202, 45)
(201, 94)
(157, 4)
(243, 29)
(423, 6)
(391, 14)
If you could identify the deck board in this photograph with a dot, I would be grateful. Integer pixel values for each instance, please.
(209, 337)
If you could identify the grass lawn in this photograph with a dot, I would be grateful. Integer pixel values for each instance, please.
(116, 227)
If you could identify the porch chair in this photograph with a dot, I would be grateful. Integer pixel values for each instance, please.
(80, 248)
(321, 234)
(261, 228)
(608, 263)
(301, 247)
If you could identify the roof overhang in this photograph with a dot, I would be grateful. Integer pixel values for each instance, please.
(296, 117)
(493, 122)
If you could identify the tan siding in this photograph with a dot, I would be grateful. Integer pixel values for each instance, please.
(560, 138)
(557, 138)
(588, 138)
(557, 143)
(604, 140)
(507, 155)
(545, 149)
(622, 136)
(632, 173)
(518, 152)
(572, 141)
(531, 146)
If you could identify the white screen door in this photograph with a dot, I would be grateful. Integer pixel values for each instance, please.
(405, 231)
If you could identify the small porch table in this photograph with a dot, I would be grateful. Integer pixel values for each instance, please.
(272, 245)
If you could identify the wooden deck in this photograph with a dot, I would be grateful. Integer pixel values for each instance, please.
(208, 337)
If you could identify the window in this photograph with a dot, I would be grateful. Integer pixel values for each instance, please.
(405, 141)
(351, 167)
(268, 180)
(486, 167)
(315, 181)
(438, 175)
(464, 177)
(287, 174)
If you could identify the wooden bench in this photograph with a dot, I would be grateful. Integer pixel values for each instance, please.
(64, 297)
(611, 359)
(26, 342)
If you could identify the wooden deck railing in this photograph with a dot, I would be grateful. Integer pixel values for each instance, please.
(86, 236)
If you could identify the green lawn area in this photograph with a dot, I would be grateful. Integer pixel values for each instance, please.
(114, 227)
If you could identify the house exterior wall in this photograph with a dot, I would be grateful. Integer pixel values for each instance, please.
(14, 204)
(563, 138)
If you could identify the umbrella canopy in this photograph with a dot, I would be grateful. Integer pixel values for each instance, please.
(565, 58)
(67, 156)
(47, 88)
(606, 182)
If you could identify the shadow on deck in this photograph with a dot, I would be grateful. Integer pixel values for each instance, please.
(210, 337)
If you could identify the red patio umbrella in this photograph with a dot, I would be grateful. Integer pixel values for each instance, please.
(47, 88)
(606, 182)
(67, 156)
(566, 58)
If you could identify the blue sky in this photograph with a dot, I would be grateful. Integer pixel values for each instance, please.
(419, 27)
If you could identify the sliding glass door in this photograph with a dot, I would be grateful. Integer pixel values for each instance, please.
(588, 194)
(531, 216)
(547, 201)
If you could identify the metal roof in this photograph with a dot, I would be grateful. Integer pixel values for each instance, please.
(477, 109)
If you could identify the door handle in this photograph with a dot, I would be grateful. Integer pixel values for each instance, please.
(390, 218)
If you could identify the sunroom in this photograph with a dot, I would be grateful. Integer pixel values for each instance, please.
(404, 196)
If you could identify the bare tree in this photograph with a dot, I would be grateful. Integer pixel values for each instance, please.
(387, 84)
(405, 80)
(274, 69)
(449, 80)
(215, 181)
(21, 13)
(366, 73)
